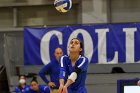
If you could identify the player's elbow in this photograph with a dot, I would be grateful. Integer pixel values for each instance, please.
(73, 76)
(78, 71)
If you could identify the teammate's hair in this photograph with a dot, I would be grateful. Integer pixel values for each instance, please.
(81, 44)
(21, 76)
(34, 80)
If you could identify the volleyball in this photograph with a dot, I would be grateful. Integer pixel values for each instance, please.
(63, 5)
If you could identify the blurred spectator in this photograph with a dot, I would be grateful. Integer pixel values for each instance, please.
(22, 84)
(53, 69)
(36, 88)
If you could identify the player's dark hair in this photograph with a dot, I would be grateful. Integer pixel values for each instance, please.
(21, 76)
(34, 80)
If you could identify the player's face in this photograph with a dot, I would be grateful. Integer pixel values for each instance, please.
(34, 86)
(58, 53)
(75, 46)
(22, 80)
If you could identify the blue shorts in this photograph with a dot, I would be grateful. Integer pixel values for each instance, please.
(79, 90)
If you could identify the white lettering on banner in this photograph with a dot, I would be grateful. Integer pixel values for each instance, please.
(44, 46)
(129, 44)
(102, 45)
(102, 55)
(115, 59)
(88, 44)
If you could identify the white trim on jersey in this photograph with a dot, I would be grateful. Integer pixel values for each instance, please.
(82, 62)
(63, 73)
(45, 88)
(61, 61)
(79, 57)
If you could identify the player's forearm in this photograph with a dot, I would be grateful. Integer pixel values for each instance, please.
(69, 82)
(71, 79)
(61, 81)
(42, 75)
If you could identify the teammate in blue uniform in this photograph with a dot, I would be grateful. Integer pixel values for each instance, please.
(53, 69)
(36, 88)
(22, 85)
(75, 65)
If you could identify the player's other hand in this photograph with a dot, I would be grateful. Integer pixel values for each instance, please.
(60, 89)
(65, 89)
(138, 83)
(51, 84)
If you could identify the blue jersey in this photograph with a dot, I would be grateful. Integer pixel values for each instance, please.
(66, 68)
(18, 89)
(53, 69)
(42, 89)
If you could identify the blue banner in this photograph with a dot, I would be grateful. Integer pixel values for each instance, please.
(103, 44)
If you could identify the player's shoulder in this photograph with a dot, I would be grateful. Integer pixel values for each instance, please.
(26, 89)
(17, 87)
(83, 57)
(46, 88)
(43, 87)
(52, 62)
(64, 57)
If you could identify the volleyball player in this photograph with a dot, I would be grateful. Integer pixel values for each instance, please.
(75, 65)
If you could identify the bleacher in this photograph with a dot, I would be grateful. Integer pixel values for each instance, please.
(99, 77)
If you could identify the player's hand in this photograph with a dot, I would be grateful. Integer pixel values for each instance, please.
(65, 89)
(138, 83)
(60, 89)
(51, 84)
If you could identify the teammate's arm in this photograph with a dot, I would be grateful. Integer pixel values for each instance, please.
(43, 71)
